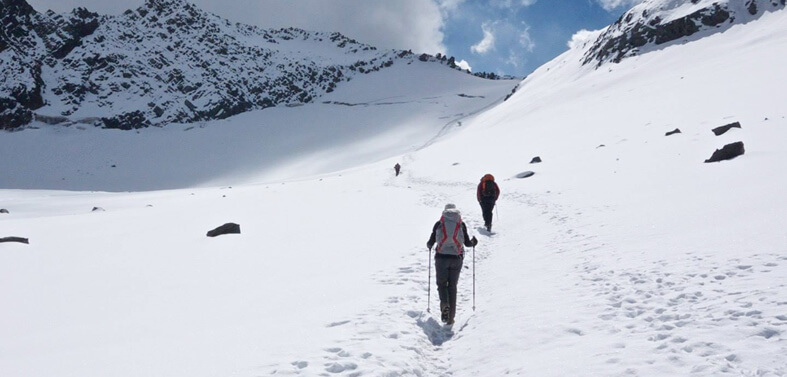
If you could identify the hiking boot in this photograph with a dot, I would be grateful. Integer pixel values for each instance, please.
(450, 321)
(488, 227)
(445, 313)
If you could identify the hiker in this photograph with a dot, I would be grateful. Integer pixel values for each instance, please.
(450, 234)
(487, 194)
(396, 168)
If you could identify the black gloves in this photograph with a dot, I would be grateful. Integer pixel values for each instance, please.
(429, 245)
(474, 241)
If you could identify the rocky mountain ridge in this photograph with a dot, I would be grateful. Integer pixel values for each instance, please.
(165, 62)
(655, 24)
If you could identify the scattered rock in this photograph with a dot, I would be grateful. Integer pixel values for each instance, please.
(721, 130)
(600, 146)
(728, 152)
(228, 228)
(14, 239)
(525, 174)
(97, 209)
(535, 160)
(675, 131)
(3, 210)
(455, 163)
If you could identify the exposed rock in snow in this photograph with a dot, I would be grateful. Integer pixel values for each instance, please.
(14, 239)
(722, 129)
(728, 152)
(228, 228)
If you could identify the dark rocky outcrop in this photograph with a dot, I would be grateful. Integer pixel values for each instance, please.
(228, 228)
(525, 174)
(97, 209)
(15, 239)
(649, 25)
(722, 129)
(3, 210)
(675, 131)
(535, 160)
(127, 121)
(728, 152)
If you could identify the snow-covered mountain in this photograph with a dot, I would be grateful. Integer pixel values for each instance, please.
(655, 24)
(624, 254)
(166, 61)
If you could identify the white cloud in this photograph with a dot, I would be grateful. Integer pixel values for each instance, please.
(487, 43)
(511, 4)
(450, 5)
(526, 40)
(464, 65)
(400, 24)
(514, 59)
(581, 37)
(610, 5)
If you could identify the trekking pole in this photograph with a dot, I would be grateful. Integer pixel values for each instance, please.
(429, 282)
(473, 278)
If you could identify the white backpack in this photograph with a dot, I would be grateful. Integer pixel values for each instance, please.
(449, 235)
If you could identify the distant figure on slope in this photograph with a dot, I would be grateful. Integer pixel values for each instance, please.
(396, 168)
(487, 194)
(450, 234)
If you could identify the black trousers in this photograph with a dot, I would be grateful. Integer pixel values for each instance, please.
(486, 208)
(447, 272)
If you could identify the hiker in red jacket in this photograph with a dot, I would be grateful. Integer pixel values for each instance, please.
(487, 194)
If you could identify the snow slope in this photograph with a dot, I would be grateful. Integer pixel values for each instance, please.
(164, 62)
(631, 258)
(375, 116)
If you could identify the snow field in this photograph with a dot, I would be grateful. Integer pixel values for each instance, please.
(634, 258)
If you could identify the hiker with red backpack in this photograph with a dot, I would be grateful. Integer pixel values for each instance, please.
(450, 235)
(487, 194)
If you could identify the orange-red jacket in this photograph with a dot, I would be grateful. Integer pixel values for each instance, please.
(487, 180)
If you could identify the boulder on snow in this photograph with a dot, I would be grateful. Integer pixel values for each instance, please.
(228, 228)
(525, 174)
(675, 131)
(14, 239)
(721, 130)
(535, 160)
(97, 209)
(3, 210)
(728, 152)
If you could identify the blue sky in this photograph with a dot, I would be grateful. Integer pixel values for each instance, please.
(524, 36)
(511, 37)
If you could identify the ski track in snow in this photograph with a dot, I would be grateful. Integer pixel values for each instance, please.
(635, 306)
(417, 332)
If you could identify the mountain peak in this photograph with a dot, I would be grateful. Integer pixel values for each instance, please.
(16, 7)
(167, 6)
(659, 23)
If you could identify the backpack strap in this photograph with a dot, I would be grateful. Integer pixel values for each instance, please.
(456, 233)
(445, 234)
